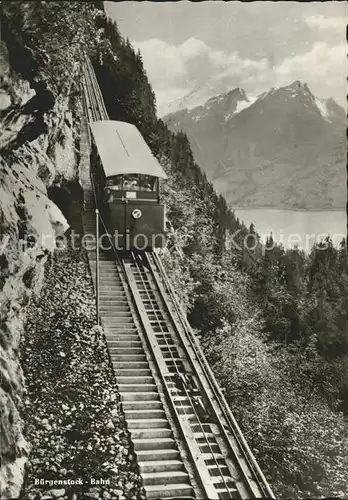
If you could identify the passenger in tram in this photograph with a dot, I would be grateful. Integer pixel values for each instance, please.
(134, 185)
(147, 183)
(118, 183)
(131, 183)
(114, 183)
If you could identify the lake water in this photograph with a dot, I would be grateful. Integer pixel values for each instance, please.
(291, 227)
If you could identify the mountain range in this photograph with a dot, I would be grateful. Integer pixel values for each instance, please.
(285, 148)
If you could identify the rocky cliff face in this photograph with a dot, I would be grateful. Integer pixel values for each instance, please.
(42, 47)
(38, 137)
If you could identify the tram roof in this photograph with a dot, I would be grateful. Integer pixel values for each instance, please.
(123, 150)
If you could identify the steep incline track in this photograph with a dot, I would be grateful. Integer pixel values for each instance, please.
(156, 442)
(185, 438)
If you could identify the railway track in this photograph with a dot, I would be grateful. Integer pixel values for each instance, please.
(185, 437)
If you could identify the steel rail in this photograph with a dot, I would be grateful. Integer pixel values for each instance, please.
(121, 264)
(97, 106)
(221, 425)
(248, 454)
(200, 423)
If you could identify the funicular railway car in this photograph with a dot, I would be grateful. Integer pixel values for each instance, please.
(126, 179)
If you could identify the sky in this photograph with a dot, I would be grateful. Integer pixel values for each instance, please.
(219, 46)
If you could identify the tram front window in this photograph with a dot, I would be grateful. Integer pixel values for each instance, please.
(115, 183)
(132, 182)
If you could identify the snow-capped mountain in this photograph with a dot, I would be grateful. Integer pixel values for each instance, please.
(285, 148)
(223, 107)
(196, 97)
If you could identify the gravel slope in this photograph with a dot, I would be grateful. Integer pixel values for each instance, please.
(73, 418)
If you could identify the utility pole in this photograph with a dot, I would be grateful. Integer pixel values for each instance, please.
(97, 263)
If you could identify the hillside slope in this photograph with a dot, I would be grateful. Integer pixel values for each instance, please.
(284, 149)
(39, 68)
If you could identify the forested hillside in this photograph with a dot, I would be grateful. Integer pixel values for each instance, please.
(272, 322)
